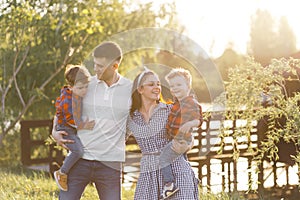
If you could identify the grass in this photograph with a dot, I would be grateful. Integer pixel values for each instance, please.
(18, 183)
(23, 184)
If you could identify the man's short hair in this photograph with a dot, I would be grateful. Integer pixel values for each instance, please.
(109, 50)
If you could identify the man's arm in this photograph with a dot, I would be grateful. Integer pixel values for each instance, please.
(58, 135)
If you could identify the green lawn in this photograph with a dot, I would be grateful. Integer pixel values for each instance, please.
(19, 183)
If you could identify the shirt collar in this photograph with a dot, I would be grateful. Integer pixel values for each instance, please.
(158, 107)
(121, 80)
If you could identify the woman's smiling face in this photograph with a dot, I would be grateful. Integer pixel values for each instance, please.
(150, 87)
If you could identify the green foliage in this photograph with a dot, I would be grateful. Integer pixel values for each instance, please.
(10, 153)
(256, 94)
(39, 38)
(228, 59)
(210, 195)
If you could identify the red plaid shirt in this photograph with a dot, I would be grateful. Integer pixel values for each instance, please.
(68, 109)
(183, 111)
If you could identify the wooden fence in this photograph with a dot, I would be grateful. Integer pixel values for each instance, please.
(34, 150)
(217, 172)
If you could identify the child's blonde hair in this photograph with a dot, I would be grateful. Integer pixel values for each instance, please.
(76, 73)
(180, 72)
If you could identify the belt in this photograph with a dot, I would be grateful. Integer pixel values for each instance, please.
(151, 153)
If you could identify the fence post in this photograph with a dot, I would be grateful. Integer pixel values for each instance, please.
(25, 142)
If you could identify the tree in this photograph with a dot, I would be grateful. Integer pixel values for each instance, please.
(262, 37)
(42, 37)
(228, 59)
(257, 93)
(269, 40)
(286, 42)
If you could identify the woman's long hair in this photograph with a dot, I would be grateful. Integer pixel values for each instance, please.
(136, 96)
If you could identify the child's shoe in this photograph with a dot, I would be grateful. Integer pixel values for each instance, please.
(168, 190)
(61, 180)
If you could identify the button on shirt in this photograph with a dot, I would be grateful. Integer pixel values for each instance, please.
(109, 107)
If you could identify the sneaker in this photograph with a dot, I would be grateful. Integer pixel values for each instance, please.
(169, 190)
(61, 180)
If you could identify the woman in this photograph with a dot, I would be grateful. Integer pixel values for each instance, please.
(147, 122)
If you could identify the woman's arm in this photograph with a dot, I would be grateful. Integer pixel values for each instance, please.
(186, 127)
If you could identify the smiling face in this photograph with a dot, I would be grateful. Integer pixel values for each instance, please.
(179, 87)
(150, 88)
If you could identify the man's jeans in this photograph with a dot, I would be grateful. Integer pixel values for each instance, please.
(105, 175)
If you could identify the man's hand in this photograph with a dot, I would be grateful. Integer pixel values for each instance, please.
(58, 135)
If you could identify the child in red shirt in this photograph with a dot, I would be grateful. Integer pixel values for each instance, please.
(68, 113)
(185, 114)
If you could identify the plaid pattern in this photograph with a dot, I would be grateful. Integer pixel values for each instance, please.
(77, 111)
(151, 138)
(183, 111)
(68, 109)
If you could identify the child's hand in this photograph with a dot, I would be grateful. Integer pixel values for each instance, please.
(89, 125)
(186, 128)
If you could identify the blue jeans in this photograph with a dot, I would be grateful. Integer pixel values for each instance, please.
(76, 149)
(165, 159)
(167, 156)
(105, 175)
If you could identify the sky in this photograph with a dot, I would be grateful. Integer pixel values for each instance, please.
(214, 24)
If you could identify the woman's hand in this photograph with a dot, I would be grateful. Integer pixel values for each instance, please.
(180, 146)
(187, 127)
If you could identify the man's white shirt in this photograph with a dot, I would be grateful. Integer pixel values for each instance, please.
(109, 107)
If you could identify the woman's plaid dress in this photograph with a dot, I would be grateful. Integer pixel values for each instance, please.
(151, 138)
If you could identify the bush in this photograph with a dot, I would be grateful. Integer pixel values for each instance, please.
(10, 150)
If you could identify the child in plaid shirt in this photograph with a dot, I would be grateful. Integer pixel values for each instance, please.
(68, 113)
(186, 113)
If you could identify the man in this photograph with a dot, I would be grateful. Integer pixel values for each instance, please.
(107, 102)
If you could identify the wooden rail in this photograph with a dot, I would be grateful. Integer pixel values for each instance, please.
(34, 151)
